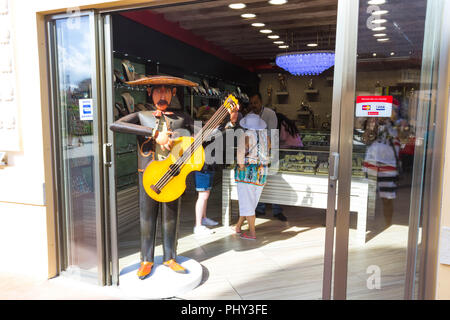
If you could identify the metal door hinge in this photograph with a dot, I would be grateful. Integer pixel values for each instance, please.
(334, 166)
(107, 154)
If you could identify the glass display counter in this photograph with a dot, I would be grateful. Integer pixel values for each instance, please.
(301, 179)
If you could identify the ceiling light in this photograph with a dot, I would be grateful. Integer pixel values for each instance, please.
(265, 31)
(374, 54)
(305, 63)
(273, 37)
(378, 21)
(379, 29)
(312, 44)
(379, 35)
(276, 2)
(258, 24)
(237, 6)
(392, 53)
(283, 47)
(248, 15)
(383, 39)
(278, 42)
(379, 12)
(376, 2)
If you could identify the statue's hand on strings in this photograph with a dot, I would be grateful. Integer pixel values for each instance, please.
(164, 139)
(233, 114)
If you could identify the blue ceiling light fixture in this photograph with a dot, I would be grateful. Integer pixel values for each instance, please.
(305, 63)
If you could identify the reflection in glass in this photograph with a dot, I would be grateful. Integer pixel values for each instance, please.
(77, 144)
(389, 65)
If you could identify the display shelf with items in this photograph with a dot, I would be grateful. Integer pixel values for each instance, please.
(314, 138)
(314, 162)
(301, 179)
(309, 162)
(210, 93)
(127, 99)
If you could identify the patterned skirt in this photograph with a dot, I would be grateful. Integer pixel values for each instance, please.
(253, 173)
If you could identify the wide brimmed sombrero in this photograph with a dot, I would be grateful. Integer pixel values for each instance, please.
(162, 80)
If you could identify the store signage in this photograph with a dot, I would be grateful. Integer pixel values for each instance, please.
(86, 109)
(374, 106)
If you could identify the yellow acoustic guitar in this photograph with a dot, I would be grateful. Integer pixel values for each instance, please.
(165, 180)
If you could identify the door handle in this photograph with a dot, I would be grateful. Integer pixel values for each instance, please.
(334, 165)
(107, 154)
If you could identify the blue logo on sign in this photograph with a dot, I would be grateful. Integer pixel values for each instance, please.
(87, 108)
(380, 108)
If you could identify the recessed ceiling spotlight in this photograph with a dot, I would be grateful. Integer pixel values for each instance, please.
(383, 39)
(392, 53)
(237, 5)
(248, 15)
(265, 31)
(258, 24)
(379, 12)
(378, 21)
(312, 44)
(379, 35)
(376, 2)
(379, 29)
(374, 54)
(274, 36)
(278, 42)
(283, 47)
(276, 2)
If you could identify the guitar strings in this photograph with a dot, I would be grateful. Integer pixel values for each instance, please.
(188, 152)
(206, 130)
(209, 127)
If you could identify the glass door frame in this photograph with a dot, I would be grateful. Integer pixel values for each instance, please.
(54, 106)
(437, 53)
(337, 216)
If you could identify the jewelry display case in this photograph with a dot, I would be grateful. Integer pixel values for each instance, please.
(301, 179)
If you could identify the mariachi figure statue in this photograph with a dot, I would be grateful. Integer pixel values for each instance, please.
(155, 129)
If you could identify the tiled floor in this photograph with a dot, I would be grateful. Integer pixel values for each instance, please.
(285, 262)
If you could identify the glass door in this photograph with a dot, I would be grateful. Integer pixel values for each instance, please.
(77, 144)
(388, 122)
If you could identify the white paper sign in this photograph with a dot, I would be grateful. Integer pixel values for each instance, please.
(86, 109)
(374, 106)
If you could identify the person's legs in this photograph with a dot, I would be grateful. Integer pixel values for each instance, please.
(260, 209)
(200, 207)
(238, 227)
(203, 184)
(277, 212)
(388, 210)
(251, 225)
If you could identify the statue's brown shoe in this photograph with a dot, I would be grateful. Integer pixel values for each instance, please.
(172, 264)
(145, 269)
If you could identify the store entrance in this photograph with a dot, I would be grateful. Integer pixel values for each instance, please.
(274, 59)
(212, 44)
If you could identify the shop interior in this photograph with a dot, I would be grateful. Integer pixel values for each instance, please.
(211, 44)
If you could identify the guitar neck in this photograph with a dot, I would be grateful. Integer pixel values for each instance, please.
(212, 124)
